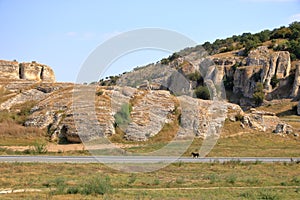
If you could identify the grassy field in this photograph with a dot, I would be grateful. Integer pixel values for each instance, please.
(247, 143)
(231, 180)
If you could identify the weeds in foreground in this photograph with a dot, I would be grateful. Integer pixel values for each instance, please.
(231, 179)
(39, 148)
(132, 179)
(96, 185)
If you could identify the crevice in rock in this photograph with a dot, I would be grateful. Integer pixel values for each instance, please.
(276, 67)
(42, 73)
(20, 71)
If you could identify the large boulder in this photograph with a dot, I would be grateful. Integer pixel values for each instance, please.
(283, 128)
(149, 113)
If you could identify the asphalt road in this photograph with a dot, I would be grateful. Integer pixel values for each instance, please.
(138, 159)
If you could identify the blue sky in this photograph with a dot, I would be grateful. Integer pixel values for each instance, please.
(62, 33)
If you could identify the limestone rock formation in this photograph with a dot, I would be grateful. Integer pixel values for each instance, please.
(273, 64)
(245, 79)
(9, 69)
(263, 121)
(283, 128)
(228, 61)
(205, 118)
(296, 84)
(28, 95)
(149, 113)
(26, 71)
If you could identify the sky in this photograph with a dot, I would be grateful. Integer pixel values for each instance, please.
(63, 33)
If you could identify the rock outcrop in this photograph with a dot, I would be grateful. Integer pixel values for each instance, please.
(205, 118)
(9, 69)
(156, 93)
(261, 120)
(298, 108)
(26, 71)
(28, 95)
(273, 64)
(245, 79)
(150, 112)
(283, 128)
(296, 85)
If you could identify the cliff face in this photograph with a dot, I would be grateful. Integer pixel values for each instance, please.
(261, 66)
(272, 69)
(296, 84)
(273, 64)
(26, 71)
(245, 79)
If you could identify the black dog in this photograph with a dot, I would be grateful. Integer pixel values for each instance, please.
(195, 155)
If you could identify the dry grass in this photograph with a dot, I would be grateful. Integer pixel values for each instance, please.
(15, 134)
(283, 107)
(230, 180)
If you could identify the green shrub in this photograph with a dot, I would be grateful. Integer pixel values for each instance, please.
(40, 148)
(258, 98)
(274, 81)
(60, 185)
(196, 77)
(247, 195)
(231, 179)
(253, 181)
(122, 117)
(27, 151)
(180, 180)
(259, 95)
(296, 180)
(97, 185)
(72, 190)
(228, 83)
(132, 178)
(268, 195)
(212, 178)
(156, 181)
(202, 92)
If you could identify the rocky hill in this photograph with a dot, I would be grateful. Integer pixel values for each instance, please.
(150, 108)
(191, 90)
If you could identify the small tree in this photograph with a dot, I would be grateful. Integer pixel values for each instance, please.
(202, 92)
(196, 77)
(122, 117)
(259, 94)
(274, 81)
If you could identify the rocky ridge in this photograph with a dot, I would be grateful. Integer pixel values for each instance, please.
(26, 71)
(150, 92)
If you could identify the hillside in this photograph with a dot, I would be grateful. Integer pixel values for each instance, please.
(185, 94)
